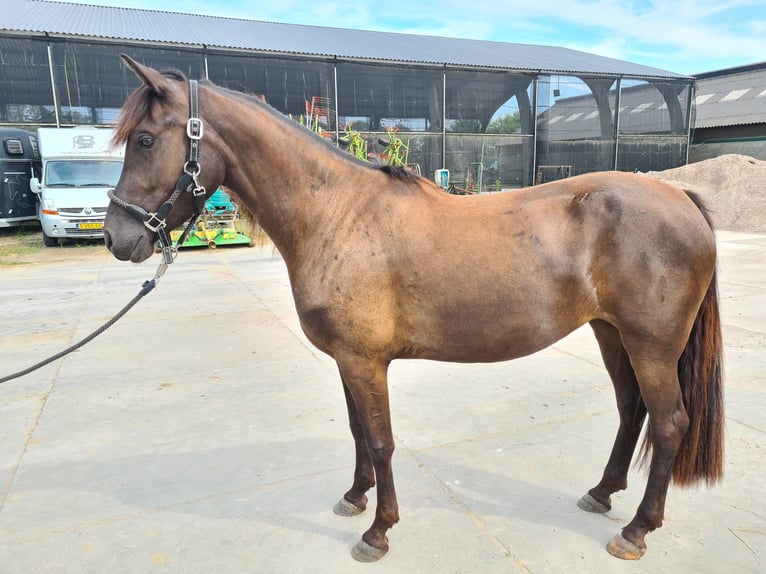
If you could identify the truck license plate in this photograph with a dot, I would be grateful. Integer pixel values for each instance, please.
(97, 225)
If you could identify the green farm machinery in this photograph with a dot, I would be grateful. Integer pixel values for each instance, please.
(216, 225)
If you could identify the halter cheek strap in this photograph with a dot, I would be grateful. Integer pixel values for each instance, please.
(188, 182)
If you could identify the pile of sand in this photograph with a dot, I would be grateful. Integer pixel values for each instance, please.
(733, 187)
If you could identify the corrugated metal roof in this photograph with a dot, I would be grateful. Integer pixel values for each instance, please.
(57, 18)
(732, 97)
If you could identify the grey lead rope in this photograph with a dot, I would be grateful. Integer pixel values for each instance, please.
(145, 289)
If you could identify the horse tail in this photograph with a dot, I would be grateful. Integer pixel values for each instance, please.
(700, 374)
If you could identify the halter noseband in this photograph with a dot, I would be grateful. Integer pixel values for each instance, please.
(189, 181)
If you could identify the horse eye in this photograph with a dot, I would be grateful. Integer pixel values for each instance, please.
(146, 141)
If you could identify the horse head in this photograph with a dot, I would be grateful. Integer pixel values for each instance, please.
(155, 128)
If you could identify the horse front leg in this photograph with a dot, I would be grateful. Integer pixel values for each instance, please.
(366, 381)
(354, 502)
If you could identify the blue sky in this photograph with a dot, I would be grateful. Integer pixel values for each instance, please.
(682, 36)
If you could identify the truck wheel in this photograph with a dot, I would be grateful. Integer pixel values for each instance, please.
(49, 241)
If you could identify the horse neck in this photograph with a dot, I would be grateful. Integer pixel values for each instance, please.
(287, 177)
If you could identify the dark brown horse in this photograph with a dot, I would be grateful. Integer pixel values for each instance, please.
(383, 266)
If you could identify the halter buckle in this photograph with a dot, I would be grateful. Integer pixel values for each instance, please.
(195, 128)
(154, 223)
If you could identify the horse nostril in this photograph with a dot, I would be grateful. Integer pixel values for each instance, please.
(107, 240)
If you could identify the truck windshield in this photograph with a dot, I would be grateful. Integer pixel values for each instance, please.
(82, 173)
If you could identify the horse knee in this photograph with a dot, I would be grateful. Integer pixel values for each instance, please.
(381, 452)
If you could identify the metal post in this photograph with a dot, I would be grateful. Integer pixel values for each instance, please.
(535, 103)
(335, 97)
(53, 87)
(444, 118)
(690, 109)
(617, 97)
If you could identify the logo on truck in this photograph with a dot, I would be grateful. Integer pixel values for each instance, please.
(84, 142)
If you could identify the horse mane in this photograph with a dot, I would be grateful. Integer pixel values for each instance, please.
(402, 174)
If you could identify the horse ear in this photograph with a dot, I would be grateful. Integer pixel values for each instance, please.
(149, 76)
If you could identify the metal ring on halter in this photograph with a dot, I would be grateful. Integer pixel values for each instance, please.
(192, 172)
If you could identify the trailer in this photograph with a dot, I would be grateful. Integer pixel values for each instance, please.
(19, 163)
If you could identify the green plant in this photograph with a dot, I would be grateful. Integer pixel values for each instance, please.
(357, 145)
(310, 122)
(397, 151)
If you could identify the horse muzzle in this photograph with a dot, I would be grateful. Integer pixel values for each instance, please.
(126, 238)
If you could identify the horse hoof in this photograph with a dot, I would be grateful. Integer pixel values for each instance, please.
(363, 552)
(347, 509)
(623, 548)
(590, 504)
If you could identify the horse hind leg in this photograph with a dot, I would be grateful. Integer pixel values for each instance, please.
(632, 414)
(657, 376)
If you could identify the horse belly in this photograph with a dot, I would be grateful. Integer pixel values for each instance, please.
(489, 325)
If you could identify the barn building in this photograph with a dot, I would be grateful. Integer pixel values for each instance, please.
(496, 115)
(731, 113)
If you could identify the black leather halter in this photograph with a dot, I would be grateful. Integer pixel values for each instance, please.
(188, 182)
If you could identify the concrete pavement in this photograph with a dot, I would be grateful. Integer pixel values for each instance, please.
(203, 434)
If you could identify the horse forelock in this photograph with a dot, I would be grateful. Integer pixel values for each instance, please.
(133, 111)
(137, 106)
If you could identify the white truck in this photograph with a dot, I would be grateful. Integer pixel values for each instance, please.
(79, 166)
